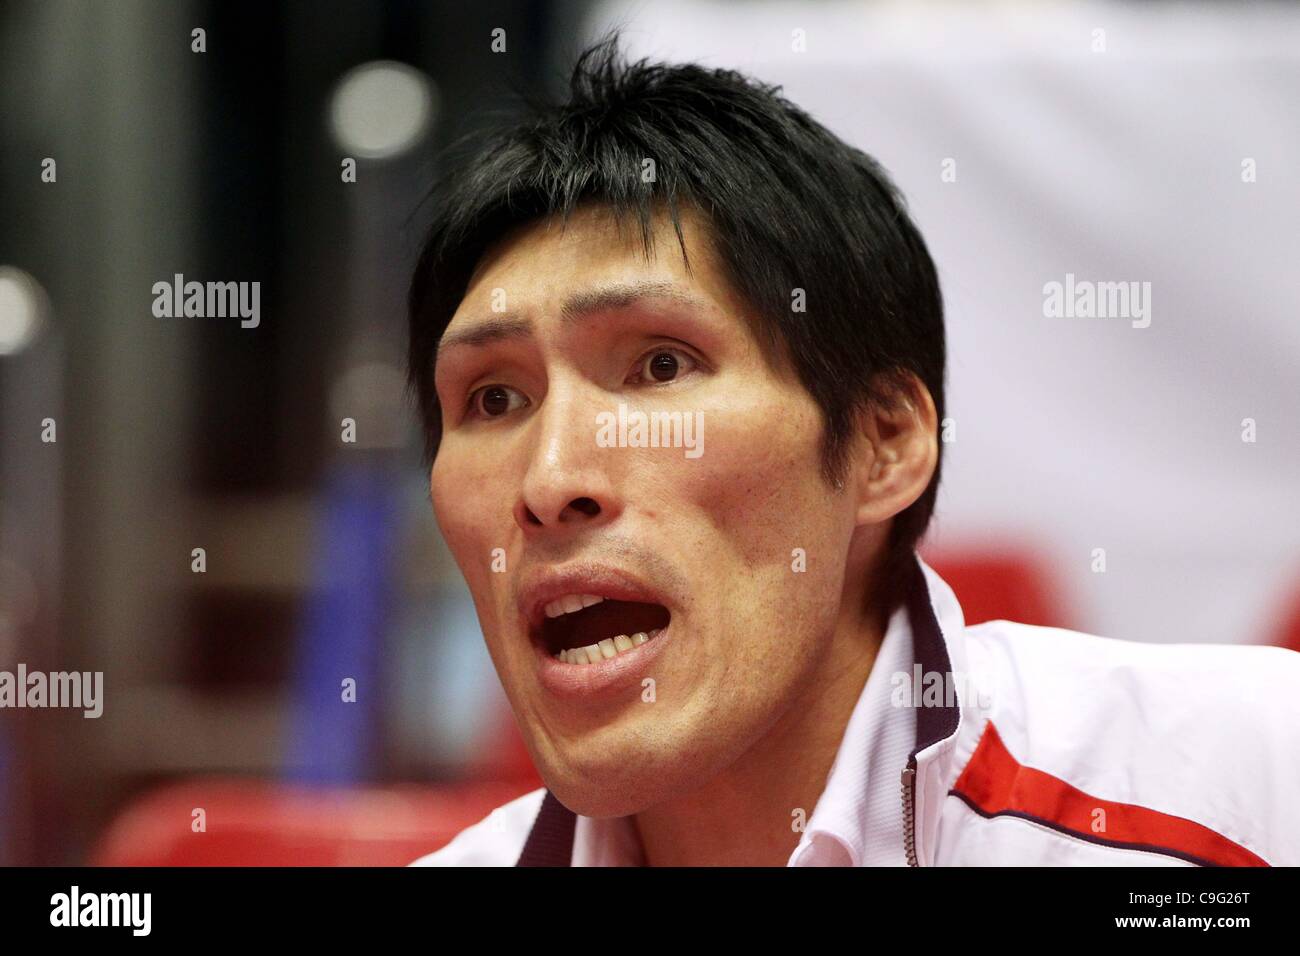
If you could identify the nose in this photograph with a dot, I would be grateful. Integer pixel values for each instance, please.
(567, 485)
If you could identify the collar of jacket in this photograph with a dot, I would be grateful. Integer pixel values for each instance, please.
(937, 625)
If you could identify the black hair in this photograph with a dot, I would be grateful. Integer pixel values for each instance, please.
(789, 207)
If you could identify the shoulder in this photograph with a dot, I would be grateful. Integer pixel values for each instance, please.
(1059, 672)
(1204, 732)
(496, 840)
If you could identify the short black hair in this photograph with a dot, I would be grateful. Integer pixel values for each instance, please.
(789, 207)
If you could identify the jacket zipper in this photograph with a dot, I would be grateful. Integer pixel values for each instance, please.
(909, 811)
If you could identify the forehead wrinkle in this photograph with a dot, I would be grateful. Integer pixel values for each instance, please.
(621, 295)
(576, 308)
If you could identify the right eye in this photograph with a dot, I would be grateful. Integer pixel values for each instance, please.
(493, 401)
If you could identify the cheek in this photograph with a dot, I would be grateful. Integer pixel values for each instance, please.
(459, 514)
(759, 478)
(758, 494)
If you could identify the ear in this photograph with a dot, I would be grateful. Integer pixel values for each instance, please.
(897, 451)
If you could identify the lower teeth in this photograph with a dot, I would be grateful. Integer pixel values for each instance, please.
(610, 647)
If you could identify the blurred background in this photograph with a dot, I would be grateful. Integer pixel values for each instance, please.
(182, 509)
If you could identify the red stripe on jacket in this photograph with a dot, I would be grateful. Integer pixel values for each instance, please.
(995, 783)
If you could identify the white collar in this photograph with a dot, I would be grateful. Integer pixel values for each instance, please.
(859, 817)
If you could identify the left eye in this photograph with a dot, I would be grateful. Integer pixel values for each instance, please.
(663, 365)
(493, 401)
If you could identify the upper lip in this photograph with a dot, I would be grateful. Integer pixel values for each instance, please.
(544, 585)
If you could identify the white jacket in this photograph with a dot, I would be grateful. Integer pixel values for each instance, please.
(1040, 746)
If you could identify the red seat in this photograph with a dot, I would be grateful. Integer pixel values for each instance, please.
(1288, 634)
(996, 584)
(257, 823)
(503, 755)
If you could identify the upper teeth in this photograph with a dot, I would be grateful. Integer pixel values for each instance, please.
(570, 603)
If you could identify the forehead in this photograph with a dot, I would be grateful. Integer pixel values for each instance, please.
(552, 257)
(550, 274)
(547, 274)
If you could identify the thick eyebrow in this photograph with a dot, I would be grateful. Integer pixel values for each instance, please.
(485, 333)
(579, 306)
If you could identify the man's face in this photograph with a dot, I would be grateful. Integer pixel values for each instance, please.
(539, 496)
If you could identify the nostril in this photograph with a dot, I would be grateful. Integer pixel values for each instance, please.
(574, 511)
(587, 506)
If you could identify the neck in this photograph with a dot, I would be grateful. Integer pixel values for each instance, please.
(744, 816)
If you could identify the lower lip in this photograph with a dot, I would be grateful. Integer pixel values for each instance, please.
(608, 676)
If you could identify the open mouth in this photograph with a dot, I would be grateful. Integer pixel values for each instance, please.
(586, 628)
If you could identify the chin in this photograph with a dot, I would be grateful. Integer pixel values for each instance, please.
(615, 792)
(589, 802)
